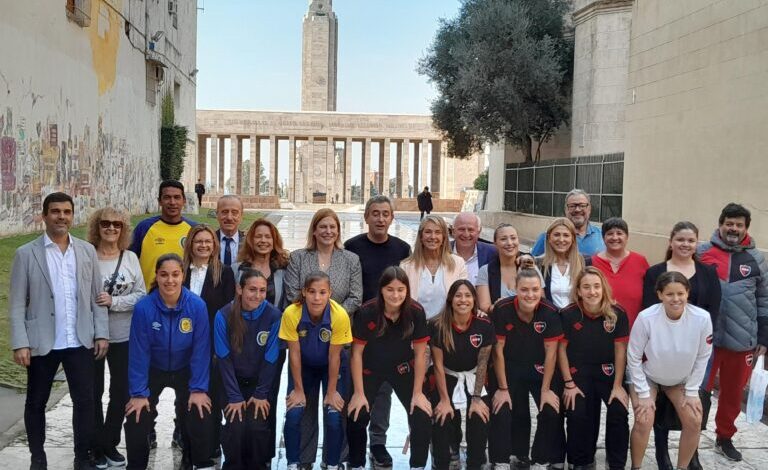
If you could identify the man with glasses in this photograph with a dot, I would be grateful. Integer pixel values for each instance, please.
(588, 236)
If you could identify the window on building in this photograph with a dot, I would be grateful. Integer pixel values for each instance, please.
(79, 11)
(173, 8)
(176, 95)
(154, 79)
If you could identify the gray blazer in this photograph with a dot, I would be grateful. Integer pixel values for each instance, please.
(31, 307)
(345, 273)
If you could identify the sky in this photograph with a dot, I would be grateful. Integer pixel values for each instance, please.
(249, 54)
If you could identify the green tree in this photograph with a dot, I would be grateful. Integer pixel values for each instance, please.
(173, 142)
(481, 182)
(502, 69)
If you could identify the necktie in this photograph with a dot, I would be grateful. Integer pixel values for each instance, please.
(227, 251)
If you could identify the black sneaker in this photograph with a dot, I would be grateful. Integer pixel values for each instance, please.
(83, 464)
(114, 458)
(152, 437)
(38, 464)
(380, 458)
(521, 463)
(725, 447)
(99, 461)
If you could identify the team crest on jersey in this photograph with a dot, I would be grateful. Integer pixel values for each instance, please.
(509, 326)
(749, 358)
(539, 368)
(181, 241)
(540, 326)
(302, 333)
(403, 368)
(608, 369)
(573, 370)
(371, 325)
(609, 326)
(185, 325)
(578, 326)
(476, 340)
(156, 325)
(261, 338)
(745, 270)
(325, 335)
(709, 339)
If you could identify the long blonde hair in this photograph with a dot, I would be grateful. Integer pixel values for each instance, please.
(575, 260)
(417, 258)
(214, 263)
(606, 302)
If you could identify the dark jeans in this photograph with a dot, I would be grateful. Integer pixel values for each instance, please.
(195, 430)
(377, 430)
(248, 443)
(419, 422)
(107, 431)
(272, 419)
(333, 432)
(549, 440)
(78, 367)
(582, 421)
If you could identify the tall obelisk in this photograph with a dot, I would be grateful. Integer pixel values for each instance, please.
(316, 171)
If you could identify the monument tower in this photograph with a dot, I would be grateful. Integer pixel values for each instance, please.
(319, 57)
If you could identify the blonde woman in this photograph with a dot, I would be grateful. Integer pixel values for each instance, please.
(496, 280)
(592, 357)
(432, 268)
(561, 262)
(109, 231)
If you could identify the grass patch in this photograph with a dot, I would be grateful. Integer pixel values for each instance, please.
(12, 374)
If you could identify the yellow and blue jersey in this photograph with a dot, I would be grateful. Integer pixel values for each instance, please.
(315, 339)
(153, 238)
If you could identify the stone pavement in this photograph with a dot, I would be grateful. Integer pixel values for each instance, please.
(752, 440)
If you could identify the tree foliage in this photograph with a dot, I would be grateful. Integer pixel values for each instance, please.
(481, 182)
(173, 142)
(502, 69)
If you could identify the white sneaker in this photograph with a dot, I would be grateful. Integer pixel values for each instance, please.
(501, 466)
(292, 466)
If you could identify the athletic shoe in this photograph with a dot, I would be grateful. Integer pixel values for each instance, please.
(293, 466)
(114, 458)
(83, 464)
(520, 463)
(725, 447)
(501, 466)
(99, 461)
(380, 457)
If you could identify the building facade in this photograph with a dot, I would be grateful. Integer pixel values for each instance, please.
(82, 83)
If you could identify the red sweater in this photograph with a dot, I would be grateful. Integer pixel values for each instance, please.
(627, 282)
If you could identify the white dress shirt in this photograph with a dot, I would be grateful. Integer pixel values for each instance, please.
(62, 268)
(560, 286)
(473, 264)
(431, 293)
(234, 245)
(197, 277)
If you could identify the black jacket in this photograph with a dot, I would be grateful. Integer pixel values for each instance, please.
(705, 288)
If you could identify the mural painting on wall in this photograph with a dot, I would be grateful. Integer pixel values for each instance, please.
(96, 171)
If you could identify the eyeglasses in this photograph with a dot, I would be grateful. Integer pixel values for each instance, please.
(202, 242)
(581, 206)
(111, 223)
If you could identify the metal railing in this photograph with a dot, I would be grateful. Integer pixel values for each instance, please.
(540, 188)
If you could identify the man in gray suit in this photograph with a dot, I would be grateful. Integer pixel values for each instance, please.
(55, 321)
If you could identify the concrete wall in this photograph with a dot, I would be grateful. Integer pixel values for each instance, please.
(73, 110)
(696, 132)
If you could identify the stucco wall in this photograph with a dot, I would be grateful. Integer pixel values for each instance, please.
(696, 132)
(73, 110)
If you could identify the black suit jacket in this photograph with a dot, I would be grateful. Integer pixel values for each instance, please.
(705, 288)
(241, 242)
(215, 297)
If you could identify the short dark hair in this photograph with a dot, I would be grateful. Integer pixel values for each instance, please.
(732, 211)
(57, 197)
(615, 222)
(170, 184)
(669, 277)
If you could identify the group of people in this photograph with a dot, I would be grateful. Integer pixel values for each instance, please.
(464, 332)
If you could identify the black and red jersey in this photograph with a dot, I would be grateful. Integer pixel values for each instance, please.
(524, 341)
(389, 351)
(466, 344)
(591, 340)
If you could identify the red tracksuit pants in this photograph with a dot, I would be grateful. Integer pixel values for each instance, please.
(734, 368)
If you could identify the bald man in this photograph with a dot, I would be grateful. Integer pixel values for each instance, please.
(466, 243)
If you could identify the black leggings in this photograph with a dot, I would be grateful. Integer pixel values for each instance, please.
(419, 422)
(584, 424)
(549, 440)
(248, 444)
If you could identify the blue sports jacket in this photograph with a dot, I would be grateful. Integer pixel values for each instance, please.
(169, 340)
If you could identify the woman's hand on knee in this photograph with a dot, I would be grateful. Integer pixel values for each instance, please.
(644, 410)
(357, 403)
(500, 398)
(136, 405)
(259, 406)
(234, 410)
(478, 407)
(419, 400)
(295, 399)
(334, 400)
(201, 401)
(443, 410)
(693, 404)
(548, 397)
(618, 393)
(569, 396)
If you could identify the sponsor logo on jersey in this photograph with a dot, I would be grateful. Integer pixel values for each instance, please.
(745, 270)
(371, 325)
(403, 368)
(608, 369)
(609, 326)
(539, 368)
(540, 326)
(509, 326)
(476, 340)
(749, 358)
(185, 325)
(159, 241)
(156, 325)
(302, 333)
(709, 339)
(261, 338)
(578, 326)
(325, 335)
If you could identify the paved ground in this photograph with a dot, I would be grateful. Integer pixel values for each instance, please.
(752, 439)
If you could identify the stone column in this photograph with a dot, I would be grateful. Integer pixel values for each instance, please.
(447, 178)
(202, 169)
(436, 168)
(308, 162)
(366, 166)
(295, 175)
(255, 176)
(222, 181)
(424, 165)
(348, 171)
(234, 156)
(330, 177)
(384, 167)
(417, 183)
(405, 163)
(272, 165)
(214, 163)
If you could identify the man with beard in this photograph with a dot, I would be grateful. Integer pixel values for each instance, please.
(588, 237)
(741, 333)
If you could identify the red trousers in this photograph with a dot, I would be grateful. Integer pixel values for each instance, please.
(735, 368)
